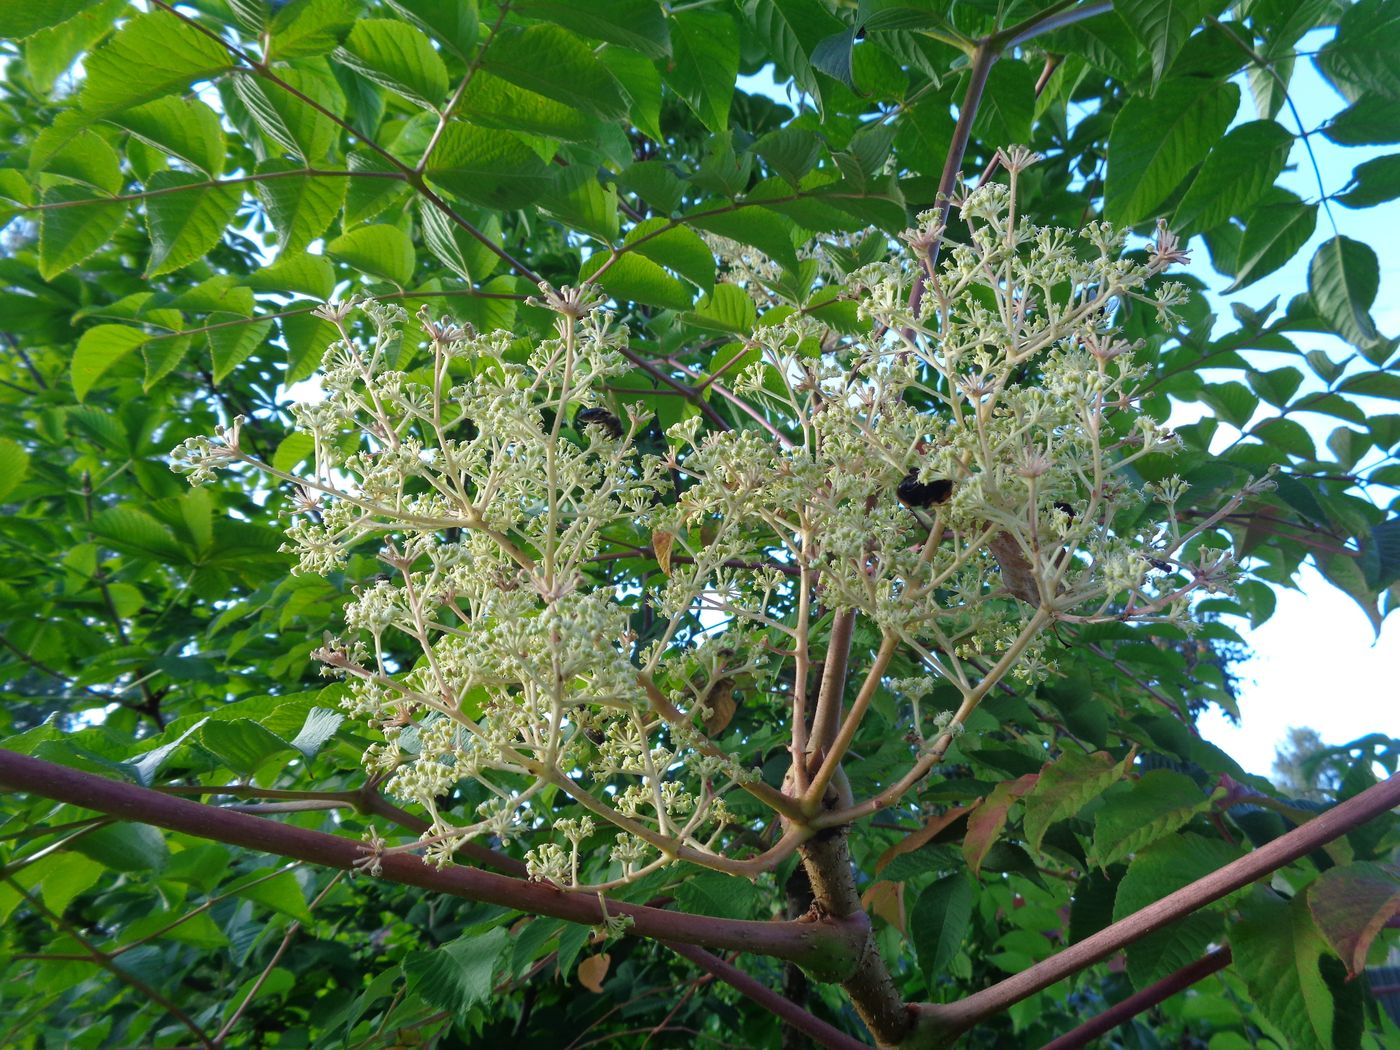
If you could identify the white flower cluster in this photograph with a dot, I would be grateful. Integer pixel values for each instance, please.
(954, 476)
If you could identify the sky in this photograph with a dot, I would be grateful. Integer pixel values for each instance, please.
(1316, 662)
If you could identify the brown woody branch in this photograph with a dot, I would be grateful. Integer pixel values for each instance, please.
(1121, 1013)
(815, 1027)
(828, 947)
(940, 1024)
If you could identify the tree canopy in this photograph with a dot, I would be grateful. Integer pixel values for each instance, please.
(766, 588)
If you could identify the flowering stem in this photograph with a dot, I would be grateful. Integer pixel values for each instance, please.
(838, 653)
(839, 746)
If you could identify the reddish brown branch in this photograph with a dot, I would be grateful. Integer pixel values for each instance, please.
(828, 947)
(1120, 1013)
(983, 58)
(940, 1024)
(815, 1027)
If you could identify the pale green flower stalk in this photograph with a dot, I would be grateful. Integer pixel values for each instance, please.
(492, 482)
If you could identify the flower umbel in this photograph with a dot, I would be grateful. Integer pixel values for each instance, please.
(955, 476)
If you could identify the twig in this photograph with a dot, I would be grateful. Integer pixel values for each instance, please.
(1148, 688)
(1211, 962)
(107, 963)
(819, 1030)
(950, 1019)
(28, 363)
(287, 939)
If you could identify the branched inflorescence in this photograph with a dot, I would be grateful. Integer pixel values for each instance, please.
(496, 485)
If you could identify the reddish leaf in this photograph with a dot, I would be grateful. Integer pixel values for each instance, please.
(1350, 906)
(987, 820)
(886, 899)
(925, 835)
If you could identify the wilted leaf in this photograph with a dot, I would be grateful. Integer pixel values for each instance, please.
(1351, 905)
(720, 700)
(661, 544)
(593, 970)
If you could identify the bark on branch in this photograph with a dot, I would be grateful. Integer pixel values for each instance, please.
(1121, 1013)
(939, 1024)
(821, 1032)
(828, 948)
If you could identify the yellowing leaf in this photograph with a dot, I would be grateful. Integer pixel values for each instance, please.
(661, 544)
(985, 823)
(886, 899)
(1350, 906)
(720, 700)
(593, 970)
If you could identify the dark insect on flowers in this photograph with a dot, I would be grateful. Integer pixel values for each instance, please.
(915, 493)
(598, 417)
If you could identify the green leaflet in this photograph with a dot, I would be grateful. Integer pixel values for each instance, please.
(73, 226)
(397, 56)
(552, 62)
(382, 250)
(300, 207)
(232, 340)
(1065, 787)
(1155, 142)
(14, 465)
(1273, 232)
(458, 974)
(1237, 173)
(185, 127)
(19, 20)
(1162, 26)
(186, 216)
(310, 27)
(99, 350)
(637, 279)
(1158, 803)
(639, 25)
(1279, 954)
(465, 255)
(1343, 280)
(939, 922)
(152, 55)
(1156, 871)
(677, 248)
(494, 169)
(304, 130)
